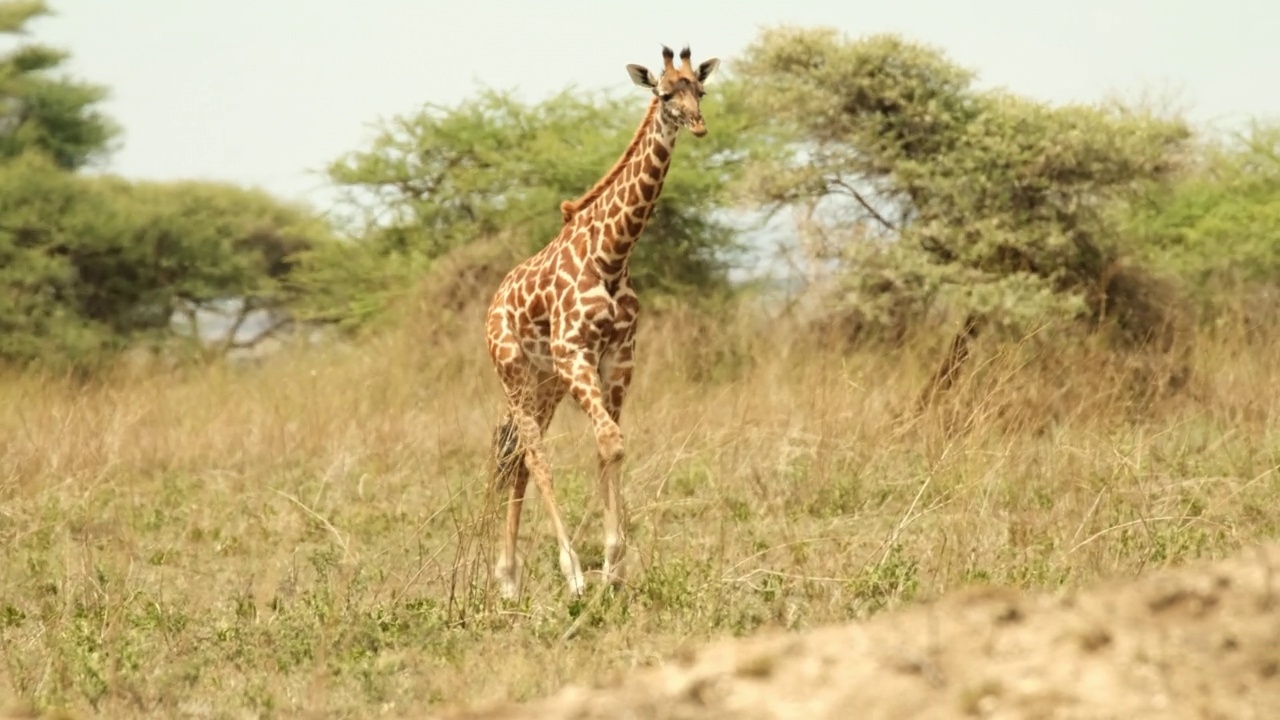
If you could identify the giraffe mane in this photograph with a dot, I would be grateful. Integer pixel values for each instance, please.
(570, 208)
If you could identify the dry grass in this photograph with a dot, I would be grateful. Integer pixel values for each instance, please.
(308, 537)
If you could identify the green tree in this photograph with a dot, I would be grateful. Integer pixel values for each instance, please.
(204, 247)
(1218, 228)
(494, 170)
(92, 265)
(43, 112)
(935, 194)
(44, 212)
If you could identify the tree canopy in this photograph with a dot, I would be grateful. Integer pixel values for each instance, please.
(41, 111)
(435, 181)
(936, 192)
(92, 264)
(1218, 228)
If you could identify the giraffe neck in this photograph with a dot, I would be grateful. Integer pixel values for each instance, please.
(625, 206)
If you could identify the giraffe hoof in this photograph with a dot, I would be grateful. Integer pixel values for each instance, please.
(508, 590)
(572, 571)
(507, 573)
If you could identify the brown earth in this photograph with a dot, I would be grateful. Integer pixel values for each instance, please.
(1201, 641)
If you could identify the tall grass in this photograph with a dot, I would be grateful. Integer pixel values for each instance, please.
(312, 535)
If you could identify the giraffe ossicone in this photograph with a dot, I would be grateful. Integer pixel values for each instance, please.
(564, 322)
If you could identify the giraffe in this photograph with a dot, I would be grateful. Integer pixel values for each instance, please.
(564, 322)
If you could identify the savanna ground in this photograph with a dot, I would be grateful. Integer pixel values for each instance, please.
(1199, 641)
(307, 537)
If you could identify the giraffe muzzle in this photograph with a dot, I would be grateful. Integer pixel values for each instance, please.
(698, 127)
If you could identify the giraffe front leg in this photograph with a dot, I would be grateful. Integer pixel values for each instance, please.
(535, 459)
(585, 386)
(615, 522)
(615, 375)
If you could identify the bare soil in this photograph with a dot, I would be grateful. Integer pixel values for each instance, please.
(1200, 641)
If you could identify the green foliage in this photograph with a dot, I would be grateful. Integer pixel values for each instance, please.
(89, 266)
(350, 285)
(47, 219)
(55, 115)
(941, 193)
(209, 242)
(1219, 227)
(93, 264)
(15, 14)
(494, 168)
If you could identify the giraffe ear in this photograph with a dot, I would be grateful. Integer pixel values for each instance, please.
(641, 76)
(707, 68)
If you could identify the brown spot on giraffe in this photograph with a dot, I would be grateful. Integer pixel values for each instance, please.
(613, 268)
(649, 190)
(580, 282)
(634, 225)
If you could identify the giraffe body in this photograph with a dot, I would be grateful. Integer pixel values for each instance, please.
(563, 322)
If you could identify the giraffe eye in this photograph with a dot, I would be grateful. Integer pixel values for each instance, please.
(665, 97)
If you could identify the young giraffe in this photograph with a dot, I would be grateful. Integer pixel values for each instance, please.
(564, 321)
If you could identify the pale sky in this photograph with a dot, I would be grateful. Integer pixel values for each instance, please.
(266, 92)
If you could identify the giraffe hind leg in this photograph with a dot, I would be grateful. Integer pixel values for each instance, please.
(511, 474)
(519, 455)
(539, 468)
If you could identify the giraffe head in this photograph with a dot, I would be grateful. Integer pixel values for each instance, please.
(679, 88)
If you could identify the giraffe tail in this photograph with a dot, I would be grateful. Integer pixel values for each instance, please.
(506, 454)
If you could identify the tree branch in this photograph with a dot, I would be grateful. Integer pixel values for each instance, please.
(266, 333)
(863, 202)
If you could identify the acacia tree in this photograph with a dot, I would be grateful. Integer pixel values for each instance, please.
(92, 265)
(935, 194)
(202, 249)
(485, 178)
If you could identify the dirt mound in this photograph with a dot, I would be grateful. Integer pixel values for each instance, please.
(1202, 641)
